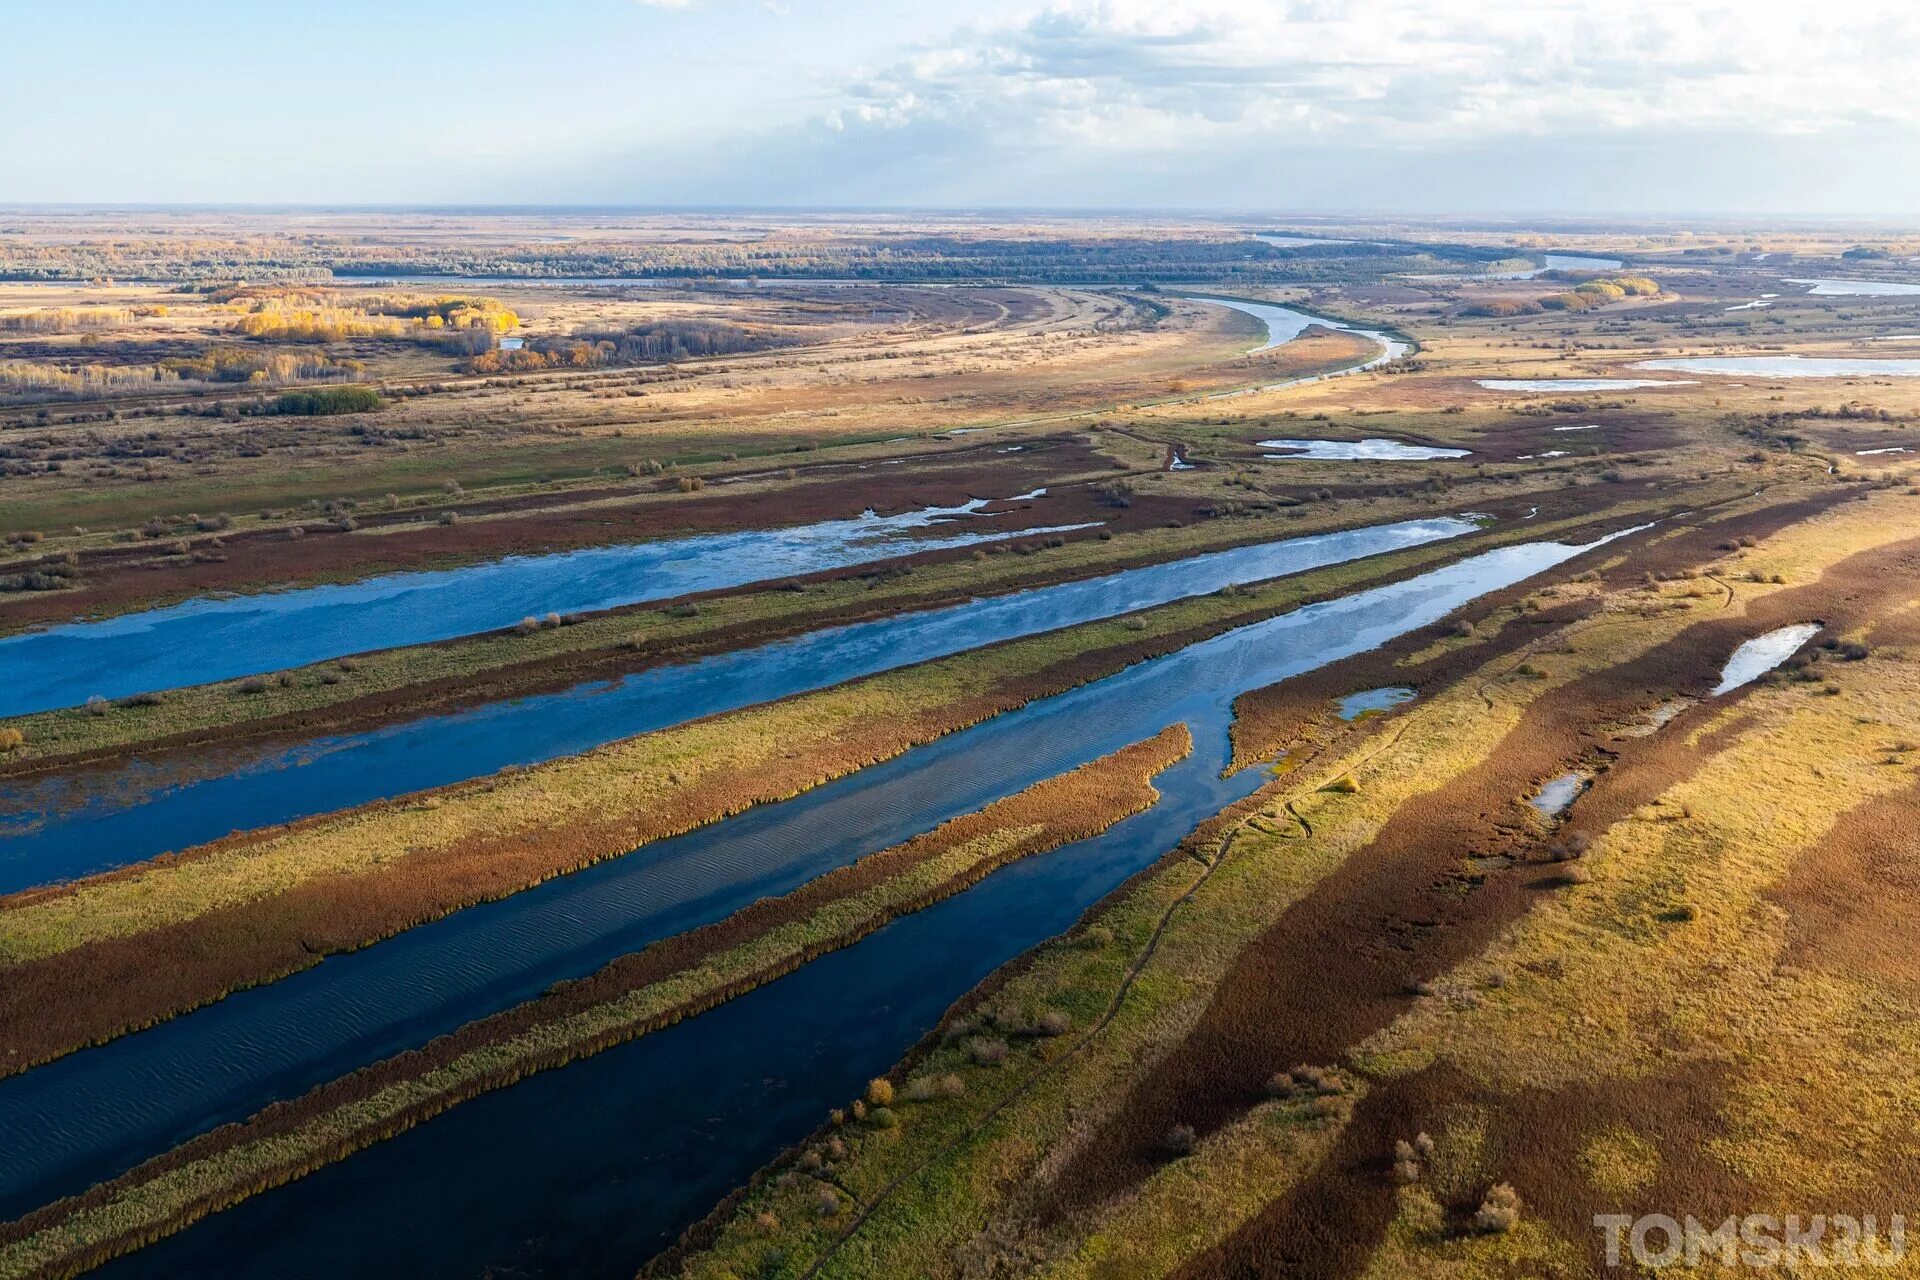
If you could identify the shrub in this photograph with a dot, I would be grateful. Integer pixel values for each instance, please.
(927, 1088)
(691, 484)
(253, 685)
(1179, 1141)
(97, 705)
(1500, 1211)
(526, 626)
(1054, 1022)
(882, 1118)
(880, 1091)
(12, 740)
(325, 401)
(148, 699)
(987, 1052)
(1097, 938)
(826, 1202)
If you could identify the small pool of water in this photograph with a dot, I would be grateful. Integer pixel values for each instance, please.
(1373, 701)
(1757, 656)
(1578, 384)
(1790, 366)
(1555, 797)
(1370, 450)
(1285, 240)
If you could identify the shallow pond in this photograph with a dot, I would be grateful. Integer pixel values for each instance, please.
(1284, 240)
(1556, 796)
(1373, 450)
(86, 1116)
(1755, 657)
(1578, 384)
(1789, 366)
(73, 825)
(1373, 701)
(220, 638)
(1829, 288)
(1561, 262)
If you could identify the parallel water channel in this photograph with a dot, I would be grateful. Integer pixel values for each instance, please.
(75, 824)
(221, 637)
(639, 1138)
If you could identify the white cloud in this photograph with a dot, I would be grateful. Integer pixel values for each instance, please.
(1129, 75)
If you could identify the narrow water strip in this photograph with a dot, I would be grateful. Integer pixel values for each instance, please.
(72, 825)
(222, 637)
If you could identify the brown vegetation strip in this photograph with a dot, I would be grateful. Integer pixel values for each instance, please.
(1402, 910)
(1070, 807)
(1854, 902)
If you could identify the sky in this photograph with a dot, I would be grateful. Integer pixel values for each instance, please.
(1405, 107)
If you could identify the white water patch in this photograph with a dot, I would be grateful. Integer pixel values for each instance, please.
(1869, 453)
(1789, 366)
(1751, 306)
(1591, 426)
(1559, 262)
(1371, 450)
(1755, 657)
(1556, 796)
(1287, 240)
(1577, 384)
(1373, 702)
(1830, 288)
(1551, 453)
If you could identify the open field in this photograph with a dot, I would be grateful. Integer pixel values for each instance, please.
(874, 602)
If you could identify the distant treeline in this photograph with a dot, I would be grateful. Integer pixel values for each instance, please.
(218, 366)
(651, 343)
(1582, 297)
(1034, 259)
